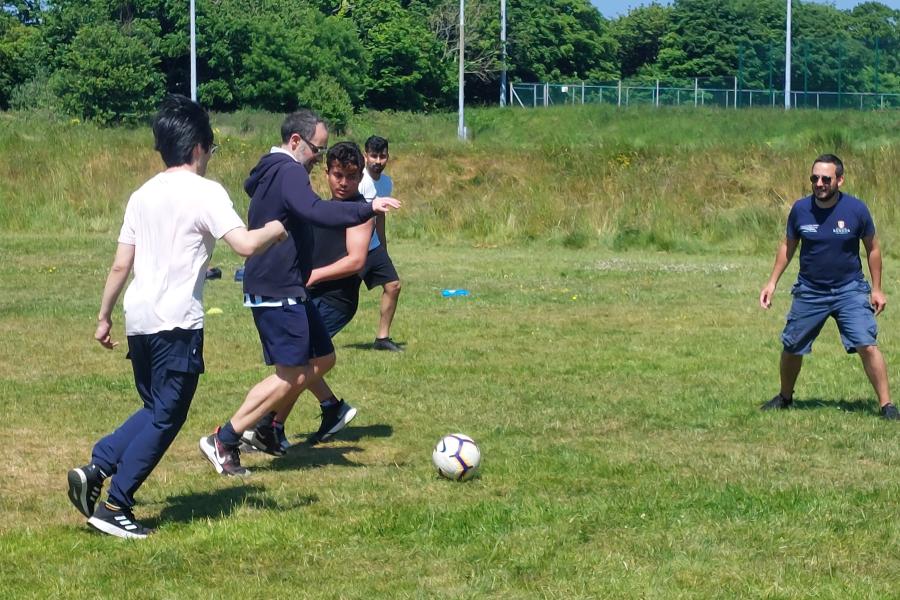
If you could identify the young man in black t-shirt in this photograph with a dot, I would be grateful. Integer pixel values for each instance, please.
(337, 258)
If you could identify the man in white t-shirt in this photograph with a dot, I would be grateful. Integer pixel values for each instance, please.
(169, 231)
(379, 269)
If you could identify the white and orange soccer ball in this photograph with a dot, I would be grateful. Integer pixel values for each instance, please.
(456, 456)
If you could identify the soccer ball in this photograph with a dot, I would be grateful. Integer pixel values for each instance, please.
(456, 456)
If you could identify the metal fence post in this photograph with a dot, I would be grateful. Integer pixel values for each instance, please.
(582, 91)
(657, 93)
(546, 94)
(695, 91)
(735, 92)
(619, 85)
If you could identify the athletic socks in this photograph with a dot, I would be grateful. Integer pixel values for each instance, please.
(228, 436)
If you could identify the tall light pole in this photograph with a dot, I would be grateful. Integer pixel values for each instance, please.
(461, 128)
(193, 56)
(787, 59)
(503, 52)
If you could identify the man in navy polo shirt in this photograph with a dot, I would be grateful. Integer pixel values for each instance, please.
(828, 225)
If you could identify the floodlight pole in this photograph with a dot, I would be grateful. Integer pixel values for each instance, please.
(461, 128)
(787, 59)
(503, 52)
(193, 56)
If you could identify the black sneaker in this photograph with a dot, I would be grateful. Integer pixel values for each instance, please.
(281, 436)
(227, 461)
(120, 523)
(334, 418)
(889, 412)
(85, 484)
(263, 438)
(779, 402)
(386, 344)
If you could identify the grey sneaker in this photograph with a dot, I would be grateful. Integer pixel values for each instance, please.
(779, 402)
(334, 418)
(386, 344)
(227, 461)
(120, 523)
(85, 484)
(889, 412)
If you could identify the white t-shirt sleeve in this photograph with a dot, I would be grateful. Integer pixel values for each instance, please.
(367, 188)
(127, 232)
(220, 217)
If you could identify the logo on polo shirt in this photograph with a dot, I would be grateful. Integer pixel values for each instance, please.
(813, 228)
(841, 229)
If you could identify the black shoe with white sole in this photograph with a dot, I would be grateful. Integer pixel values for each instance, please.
(85, 484)
(334, 418)
(264, 438)
(386, 344)
(120, 523)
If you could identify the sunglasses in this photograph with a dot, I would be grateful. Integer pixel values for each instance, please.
(213, 149)
(825, 179)
(315, 149)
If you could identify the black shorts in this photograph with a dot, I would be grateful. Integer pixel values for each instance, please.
(379, 269)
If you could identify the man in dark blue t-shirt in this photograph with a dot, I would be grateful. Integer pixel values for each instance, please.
(828, 225)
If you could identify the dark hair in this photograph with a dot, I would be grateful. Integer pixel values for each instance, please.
(831, 158)
(376, 144)
(344, 154)
(302, 122)
(179, 125)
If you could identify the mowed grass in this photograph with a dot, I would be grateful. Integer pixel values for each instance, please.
(614, 397)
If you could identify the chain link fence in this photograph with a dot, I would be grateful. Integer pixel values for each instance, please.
(701, 91)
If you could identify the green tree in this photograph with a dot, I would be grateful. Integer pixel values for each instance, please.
(22, 52)
(406, 70)
(263, 55)
(639, 36)
(109, 75)
(554, 40)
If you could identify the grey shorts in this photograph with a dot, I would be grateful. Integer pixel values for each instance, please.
(848, 305)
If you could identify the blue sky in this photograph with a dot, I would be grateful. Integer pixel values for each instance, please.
(615, 8)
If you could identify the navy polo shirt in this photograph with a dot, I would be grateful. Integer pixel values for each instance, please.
(829, 240)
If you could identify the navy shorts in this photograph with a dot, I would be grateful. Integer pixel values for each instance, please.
(379, 268)
(291, 335)
(333, 318)
(850, 307)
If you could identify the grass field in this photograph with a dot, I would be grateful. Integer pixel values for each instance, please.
(614, 396)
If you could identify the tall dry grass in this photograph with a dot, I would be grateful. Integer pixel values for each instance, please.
(671, 179)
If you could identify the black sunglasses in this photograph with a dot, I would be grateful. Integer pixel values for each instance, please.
(825, 179)
(315, 149)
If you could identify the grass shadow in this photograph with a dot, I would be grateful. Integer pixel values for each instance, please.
(855, 405)
(368, 346)
(304, 456)
(354, 434)
(220, 504)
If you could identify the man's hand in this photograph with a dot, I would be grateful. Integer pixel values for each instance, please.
(277, 230)
(102, 334)
(879, 301)
(384, 205)
(765, 296)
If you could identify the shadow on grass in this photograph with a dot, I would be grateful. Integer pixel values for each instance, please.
(221, 503)
(856, 405)
(368, 346)
(303, 455)
(354, 434)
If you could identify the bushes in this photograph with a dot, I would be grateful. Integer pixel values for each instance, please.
(108, 76)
